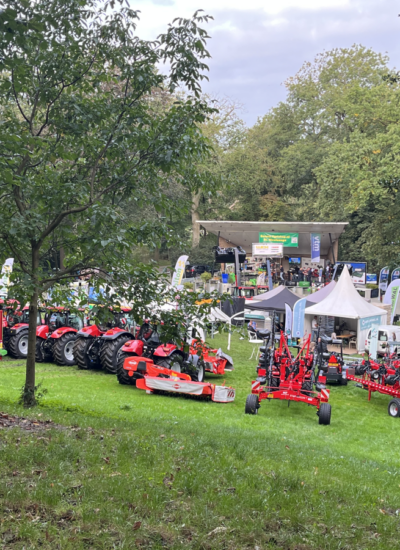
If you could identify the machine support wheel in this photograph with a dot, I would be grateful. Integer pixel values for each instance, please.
(80, 352)
(324, 414)
(343, 382)
(109, 353)
(307, 387)
(18, 345)
(198, 375)
(122, 374)
(63, 349)
(394, 407)
(252, 404)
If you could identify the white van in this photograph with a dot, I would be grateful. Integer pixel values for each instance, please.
(386, 333)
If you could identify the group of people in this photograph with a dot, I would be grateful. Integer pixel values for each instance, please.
(299, 274)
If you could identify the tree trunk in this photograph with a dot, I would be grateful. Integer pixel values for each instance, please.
(30, 383)
(195, 219)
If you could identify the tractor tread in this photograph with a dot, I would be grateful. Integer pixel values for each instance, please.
(109, 353)
(80, 346)
(122, 374)
(13, 344)
(58, 348)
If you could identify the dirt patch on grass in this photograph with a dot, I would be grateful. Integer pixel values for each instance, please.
(11, 421)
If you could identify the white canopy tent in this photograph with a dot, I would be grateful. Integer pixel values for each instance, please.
(345, 302)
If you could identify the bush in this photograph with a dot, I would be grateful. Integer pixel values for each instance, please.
(205, 276)
(188, 286)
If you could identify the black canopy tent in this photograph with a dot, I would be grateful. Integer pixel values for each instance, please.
(276, 302)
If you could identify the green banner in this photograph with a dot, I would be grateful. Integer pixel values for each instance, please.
(287, 239)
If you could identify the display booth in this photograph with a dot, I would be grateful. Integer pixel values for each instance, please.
(345, 303)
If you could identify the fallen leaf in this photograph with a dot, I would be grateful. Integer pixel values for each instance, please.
(216, 531)
(106, 460)
(136, 525)
(287, 447)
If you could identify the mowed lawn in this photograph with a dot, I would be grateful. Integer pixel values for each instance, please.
(132, 470)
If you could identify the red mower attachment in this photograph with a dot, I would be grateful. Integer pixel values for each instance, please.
(289, 379)
(148, 376)
(215, 361)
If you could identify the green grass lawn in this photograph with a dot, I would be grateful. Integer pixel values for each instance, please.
(133, 470)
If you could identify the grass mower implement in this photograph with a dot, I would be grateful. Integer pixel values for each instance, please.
(282, 376)
(153, 378)
(99, 346)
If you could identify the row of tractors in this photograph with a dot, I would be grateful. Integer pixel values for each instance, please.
(68, 339)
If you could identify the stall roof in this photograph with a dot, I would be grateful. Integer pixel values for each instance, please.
(275, 300)
(344, 301)
(244, 234)
(321, 294)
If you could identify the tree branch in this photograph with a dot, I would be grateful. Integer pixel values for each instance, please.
(16, 98)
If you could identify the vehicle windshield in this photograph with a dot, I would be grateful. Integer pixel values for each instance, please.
(60, 319)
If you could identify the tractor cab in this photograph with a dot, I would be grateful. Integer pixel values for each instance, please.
(57, 318)
(261, 289)
(243, 291)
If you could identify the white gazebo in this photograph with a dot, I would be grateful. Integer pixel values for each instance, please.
(345, 302)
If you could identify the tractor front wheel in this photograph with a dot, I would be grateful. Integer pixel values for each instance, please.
(18, 345)
(63, 350)
(40, 353)
(324, 414)
(394, 408)
(198, 374)
(252, 404)
(110, 351)
(81, 346)
(122, 374)
(173, 362)
(343, 381)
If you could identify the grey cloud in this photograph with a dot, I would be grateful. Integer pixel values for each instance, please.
(251, 62)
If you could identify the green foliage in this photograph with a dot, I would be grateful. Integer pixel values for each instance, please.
(29, 398)
(188, 286)
(205, 276)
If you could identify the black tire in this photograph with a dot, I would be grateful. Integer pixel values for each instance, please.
(109, 353)
(394, 408)
(173, 362)
(18, 345)
(198, 375)
(81, 346)
(343, 381)
(307, 387)
(40, 355)
(252, 404)
(122, 374)
(63, 350)
(324, 414)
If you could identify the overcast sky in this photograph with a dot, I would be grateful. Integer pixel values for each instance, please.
(257, 44)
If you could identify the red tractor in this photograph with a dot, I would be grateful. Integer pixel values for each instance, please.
(16, 333)
(56, 336)
(99, 346)
(167, 355)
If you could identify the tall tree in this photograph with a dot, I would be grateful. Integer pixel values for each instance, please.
(81, 135)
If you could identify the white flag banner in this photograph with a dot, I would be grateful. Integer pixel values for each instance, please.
(6, 270)
(288, 319)
(179, 272)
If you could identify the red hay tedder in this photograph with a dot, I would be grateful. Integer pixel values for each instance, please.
(282, 376)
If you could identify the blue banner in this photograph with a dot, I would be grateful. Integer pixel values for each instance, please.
(315, 247)
(383, 278)
(395, 274)
(367, 322)
(298, 318)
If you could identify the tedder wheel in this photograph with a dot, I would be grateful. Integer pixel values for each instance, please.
(324, 414)
(122, 374)
(394, 407)
(63, 349)
(252, 404)
(80, 352)
(110, 351)
(173, 362)
(307, 387)
(18, 345)
(343, 381)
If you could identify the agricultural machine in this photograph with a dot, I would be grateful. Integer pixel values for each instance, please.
(56, 336)
(99, 346)
(383, 378)
(148, 344)
(147, 375)
(282, 376)
(331, 363)
(215, 361)
(16, 331)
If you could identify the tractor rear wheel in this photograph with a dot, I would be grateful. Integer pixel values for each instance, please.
(81, 346)
(63, 349)
(122, 374)
(394, 408)
(110, 351)
(18, 345)
(252, 404)
(173, 362)
(324, 414)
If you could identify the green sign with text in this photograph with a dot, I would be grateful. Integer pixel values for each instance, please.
(287, 239)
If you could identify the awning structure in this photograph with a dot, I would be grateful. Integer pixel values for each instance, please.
(321, 294)
(244, 234)
(275, 300)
